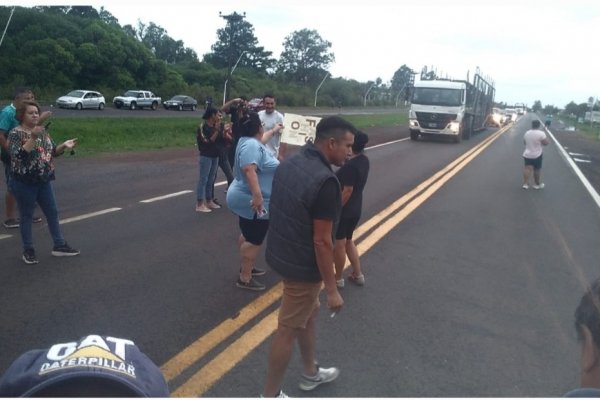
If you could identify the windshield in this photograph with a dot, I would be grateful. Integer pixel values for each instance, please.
(437, 96)
(178, 98)
(130, 93)
(75, 93)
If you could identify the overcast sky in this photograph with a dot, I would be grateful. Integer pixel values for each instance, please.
(532, 50)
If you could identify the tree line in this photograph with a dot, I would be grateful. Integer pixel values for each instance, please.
(55, 49)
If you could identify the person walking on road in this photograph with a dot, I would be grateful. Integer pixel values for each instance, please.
(534, 140)
(353, 178)
(248, 197)
(32, 172)
(306, 204)
(272, 122)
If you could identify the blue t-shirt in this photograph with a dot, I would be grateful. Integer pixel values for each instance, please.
(7, 122)
(250, 151)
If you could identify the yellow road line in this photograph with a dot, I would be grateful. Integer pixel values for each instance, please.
(203, 379)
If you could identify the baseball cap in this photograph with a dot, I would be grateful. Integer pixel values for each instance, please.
(93, 366)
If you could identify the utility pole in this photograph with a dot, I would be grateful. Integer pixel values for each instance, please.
(232, 20)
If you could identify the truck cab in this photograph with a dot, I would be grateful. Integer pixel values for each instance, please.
(437, 108)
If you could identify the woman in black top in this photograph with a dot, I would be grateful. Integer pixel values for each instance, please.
(206, 136)
(353, 177)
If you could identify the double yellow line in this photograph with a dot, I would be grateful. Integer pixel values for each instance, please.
(378, 226)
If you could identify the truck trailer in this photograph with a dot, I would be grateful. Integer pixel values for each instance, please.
(448, 107)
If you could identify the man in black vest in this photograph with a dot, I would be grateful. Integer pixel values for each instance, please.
(305, 208)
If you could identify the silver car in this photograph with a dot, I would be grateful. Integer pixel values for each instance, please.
(80, 99)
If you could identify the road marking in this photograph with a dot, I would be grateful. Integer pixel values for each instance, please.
(582, 178)
(90, 215)
(202, 380)
(5, 236)
(581, 160)
(386, 143)
(166, 196)
(576, 154)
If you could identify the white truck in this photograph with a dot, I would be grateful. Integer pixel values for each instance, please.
(447, 107)
(134, 99)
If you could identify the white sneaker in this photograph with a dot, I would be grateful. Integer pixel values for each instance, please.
(323, 375)
(525, 186)
(540, 186)
(340, 283)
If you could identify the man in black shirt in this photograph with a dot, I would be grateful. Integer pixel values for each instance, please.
(305, 208)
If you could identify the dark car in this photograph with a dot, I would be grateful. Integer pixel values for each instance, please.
(256, 104)
(180, 103)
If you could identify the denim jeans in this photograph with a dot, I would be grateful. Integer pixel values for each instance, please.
(27, 194)
(208, 173)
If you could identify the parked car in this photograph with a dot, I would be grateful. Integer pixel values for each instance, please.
(181, 102)
(80, 99)
(257, 104)
(134, 99)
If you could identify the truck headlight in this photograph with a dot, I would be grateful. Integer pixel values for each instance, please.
(413, 123)
(454, 126)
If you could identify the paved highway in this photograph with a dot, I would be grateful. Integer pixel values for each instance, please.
(471, 281)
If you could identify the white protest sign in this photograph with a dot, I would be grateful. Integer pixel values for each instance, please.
(298, 129)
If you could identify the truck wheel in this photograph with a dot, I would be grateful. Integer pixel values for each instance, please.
(132, 105)
(467, 128)
(414, 135)
(154, 105)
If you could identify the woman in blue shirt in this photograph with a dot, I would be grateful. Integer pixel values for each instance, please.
(249, 195)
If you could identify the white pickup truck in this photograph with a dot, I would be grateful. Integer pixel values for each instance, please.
(134, 99)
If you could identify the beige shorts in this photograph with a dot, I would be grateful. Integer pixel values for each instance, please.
(299, 301)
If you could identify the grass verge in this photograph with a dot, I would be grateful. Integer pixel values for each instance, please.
(101, 135)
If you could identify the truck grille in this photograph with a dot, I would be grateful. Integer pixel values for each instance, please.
(434, 120)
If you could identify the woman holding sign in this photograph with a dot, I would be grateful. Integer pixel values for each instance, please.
(248, 197)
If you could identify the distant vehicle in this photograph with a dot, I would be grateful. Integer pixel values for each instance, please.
(134, 99)
(80, 99)
(181, 102)
(257, 104)
(498, 115)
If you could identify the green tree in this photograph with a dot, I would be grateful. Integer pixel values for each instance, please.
(537, 106)
(306, 57)
(401, 81)
(237, 37)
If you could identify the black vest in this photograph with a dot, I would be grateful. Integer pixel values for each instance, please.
(297, 182)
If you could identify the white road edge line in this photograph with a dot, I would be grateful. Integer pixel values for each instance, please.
(386, 143)
(166, 196)
(90, 215)
(577, 171)
(5, 236)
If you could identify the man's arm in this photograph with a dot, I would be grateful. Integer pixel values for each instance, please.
(323, 243)
(225, 107)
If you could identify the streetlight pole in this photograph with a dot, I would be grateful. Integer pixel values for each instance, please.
(8, 23)
(231, 19)
(366, 94)
(227, 80)
(320, 84)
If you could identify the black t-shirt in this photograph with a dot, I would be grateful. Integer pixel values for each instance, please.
(354, 173)
(236, 126)
(326, 206)
(205, 146)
